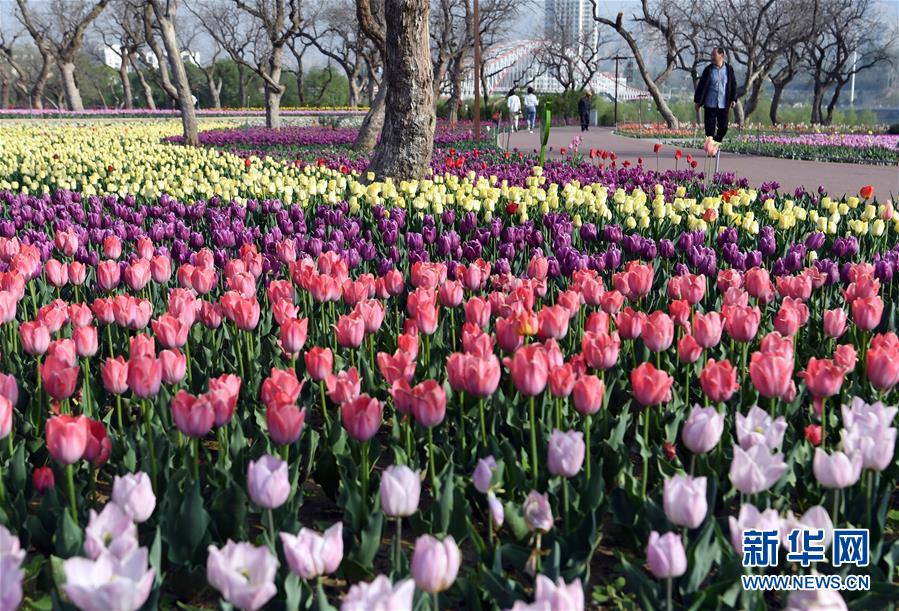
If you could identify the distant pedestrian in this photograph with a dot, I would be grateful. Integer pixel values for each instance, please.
(583, 109)
(530, 109)
(513, 103)
(717, 93)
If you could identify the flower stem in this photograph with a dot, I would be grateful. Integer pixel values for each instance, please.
(271, 527)
(398, 546)
(431, 466)
(533, 418)
(483, 422)
(668, 593)
(462, 419)
(149, 432)
(73, 507)
(587, 426)
(365, 473)
(321, 390)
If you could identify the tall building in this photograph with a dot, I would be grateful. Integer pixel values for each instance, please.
(571, 22)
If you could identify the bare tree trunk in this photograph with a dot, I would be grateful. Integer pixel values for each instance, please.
(838, 88)
(354, 92)
(126, 82)
(164, 17)
(272, 93)
(775, 100)
(4, 93)
(36, 94)
(241, 85)
(70, 87)
(455, 99)
(407, 138)
(816, 104)
(215, 90)
(148, 91)
(373, 122)
(300, 97)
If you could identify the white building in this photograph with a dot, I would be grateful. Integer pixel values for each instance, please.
(112, 57)
(571, 21)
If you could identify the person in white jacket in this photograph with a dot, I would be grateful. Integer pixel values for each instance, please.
(513, 103)
(530, 109)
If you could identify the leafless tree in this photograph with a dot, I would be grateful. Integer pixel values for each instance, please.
(660, 18)
(407, 138)
(165, 12)
(572, 58)
(270, 24)
(372, 23)
(846, 45)
(13, 70)
(452, 39)
(59, 28)
(335, 32)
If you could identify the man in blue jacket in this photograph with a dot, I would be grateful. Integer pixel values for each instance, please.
(717, 93)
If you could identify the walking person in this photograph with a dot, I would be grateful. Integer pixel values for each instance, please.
(583, 109)
(717, 93)
(513, 103)
(530, 109)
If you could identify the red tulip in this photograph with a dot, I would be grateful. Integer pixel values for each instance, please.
(66, 438)
(719, 380)
(361, 417)
(866, 192)
(650, 386)
(679, 310)
(98, 446)
(813, 434)
(59, 378)
(192, 415)
(43, 479)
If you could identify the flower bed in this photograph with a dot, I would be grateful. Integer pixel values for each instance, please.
(587, 382)
(880, 149)
(141, 113)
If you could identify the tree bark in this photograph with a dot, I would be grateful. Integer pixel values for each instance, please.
(241, 85)
(455, 99)
(126, 82)
(779, 87)
(165, 18)
(70, 87)
(273, 93)
(654, 92)
(407, 138)
(373, 122)
(837, 90)
(148, 91)
(37, 88)
(4, 93)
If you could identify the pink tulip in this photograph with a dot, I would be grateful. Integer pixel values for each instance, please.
(707, 329)
(192, 415)
(650, 386)
(834, 322)
(565, 453)
(361, 417)
(589, 393)
(311, 554)
(268, 482)
(658, 332)
(435, 564)
(66, 438)
(719, 380)
(665, 555)
(529, 369)
(771, 374)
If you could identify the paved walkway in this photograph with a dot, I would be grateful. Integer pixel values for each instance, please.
(836, 178)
